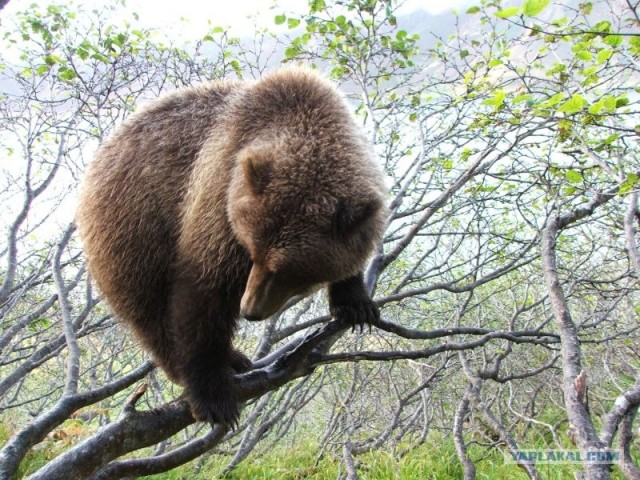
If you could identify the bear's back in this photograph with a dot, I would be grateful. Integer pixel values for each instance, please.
(129, 207)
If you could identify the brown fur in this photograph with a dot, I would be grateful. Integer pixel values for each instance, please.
(226, 198)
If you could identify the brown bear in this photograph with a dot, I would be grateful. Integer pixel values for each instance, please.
(228, 199)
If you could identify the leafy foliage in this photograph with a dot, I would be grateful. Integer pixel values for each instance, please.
(517, 127)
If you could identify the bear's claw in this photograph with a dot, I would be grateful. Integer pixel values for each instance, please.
(219, 406)
(212, 398)
(358, 313)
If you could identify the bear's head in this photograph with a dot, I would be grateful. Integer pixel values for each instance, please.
(307, 215)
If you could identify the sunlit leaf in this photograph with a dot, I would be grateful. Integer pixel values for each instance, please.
(573, 176)
(533, 7)
(613, 40)
(584, 55)
(497, 100)
(574, 105)
(508, 12)
(604, 55)
(292, 23)
(522, 98)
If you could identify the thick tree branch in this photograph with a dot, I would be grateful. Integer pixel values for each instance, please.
(630, 232)
(73, 358)
(134, 429)
(17, 447)
(625, 438)
(459, 418)
(472, 393)
(570, 343)
(625, 403)
(148, 466)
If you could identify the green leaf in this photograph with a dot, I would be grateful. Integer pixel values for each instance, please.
(621, 102)
(603, 26)
(628, 184)
(120, 39)
(100, 57)
(557, 68)
(522, 98)
(508, 12)
(560, 22)
(291, 52)
(292, 23)
(66, 73)
(573, 176)
(613, 40)
(604, 55)
(534, 7)
(586, 8)
(316, 6)
(611, 138)
(280, 19)
(468, 77)
(610, 103)
(39, 323)
(551, 101)
(596, 108)
(336, 73)
(497, 100)
(388, 10)
(607, 103)
(51, 59)
(574, 105)
(82, 53)
(584, 55)
(472, 10)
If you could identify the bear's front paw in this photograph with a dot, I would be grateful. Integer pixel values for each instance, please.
(359, 312)
(214, 402)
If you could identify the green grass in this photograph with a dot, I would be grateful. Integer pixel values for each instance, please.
(434, 460)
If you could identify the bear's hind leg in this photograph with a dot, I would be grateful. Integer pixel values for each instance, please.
(202, 329)
(209, 388)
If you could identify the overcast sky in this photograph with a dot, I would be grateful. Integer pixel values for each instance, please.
(196, 14)
(235, 13)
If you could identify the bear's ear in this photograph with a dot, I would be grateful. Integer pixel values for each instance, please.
(257, 167)
(348, 218)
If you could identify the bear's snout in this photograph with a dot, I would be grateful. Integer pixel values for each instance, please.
(263, 296)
